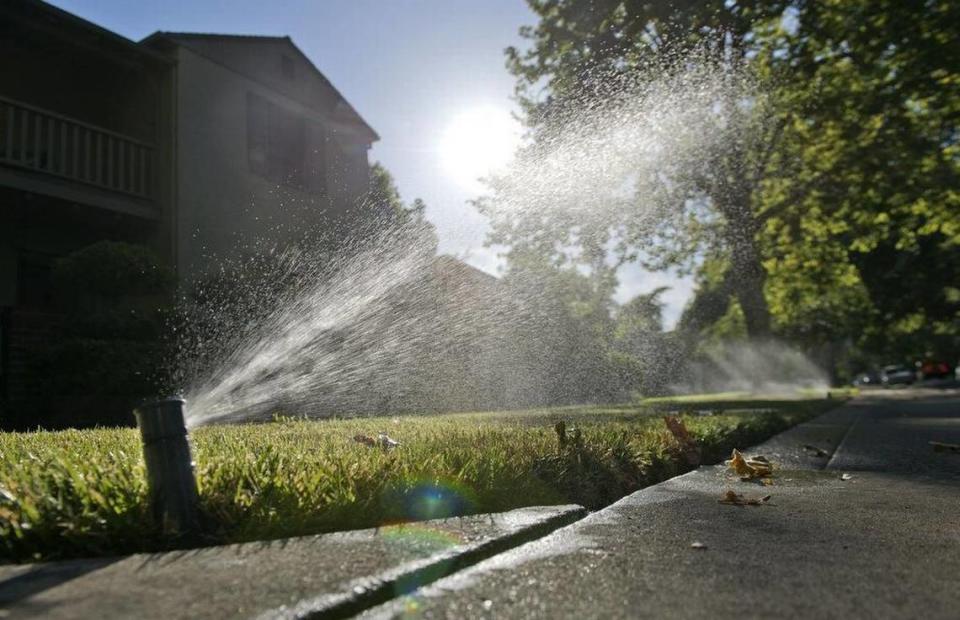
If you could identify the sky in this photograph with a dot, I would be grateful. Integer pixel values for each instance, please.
(426, 74)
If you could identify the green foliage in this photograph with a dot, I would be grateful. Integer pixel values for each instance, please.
(580, 53)
(640, 316)
(729, 327)
(113, 368)
(82, 493)
(565, 330)
(578, 45)
(647, 359)
(111, 270)
(581, 346)
(836, 212)
(384, 204)
(862, 238)
(109, 351)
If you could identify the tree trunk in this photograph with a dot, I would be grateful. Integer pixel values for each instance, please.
(747, 275)
(748, 280)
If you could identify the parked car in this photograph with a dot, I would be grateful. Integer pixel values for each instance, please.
(898, 374)
(871, 377)
(935, 369)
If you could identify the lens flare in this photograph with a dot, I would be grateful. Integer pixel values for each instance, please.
(430, 499)
(420, 539)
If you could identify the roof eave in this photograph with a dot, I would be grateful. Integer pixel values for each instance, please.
(172, 37)
(75, 21)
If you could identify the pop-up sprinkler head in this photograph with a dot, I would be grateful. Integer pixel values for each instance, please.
(166, 451)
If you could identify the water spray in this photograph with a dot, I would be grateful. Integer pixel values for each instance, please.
(372, 326)
(166, 451)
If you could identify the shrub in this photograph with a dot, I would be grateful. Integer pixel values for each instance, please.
(109, 350)
(111, 270)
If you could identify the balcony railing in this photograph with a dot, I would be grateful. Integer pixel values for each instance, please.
(47, 142)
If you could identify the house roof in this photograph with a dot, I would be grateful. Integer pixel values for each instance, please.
(344, 110)
(453, 267)
(58, 20)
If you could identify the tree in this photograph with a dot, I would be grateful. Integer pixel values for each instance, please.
(560, 323)
(382, 207)
(862, 236)
(653, 357)
(830, 191)
(584, 51)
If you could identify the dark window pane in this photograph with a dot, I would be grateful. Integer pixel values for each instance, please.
(276, 142)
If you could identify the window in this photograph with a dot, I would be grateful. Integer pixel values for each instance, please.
(275, 142)
(286, 67)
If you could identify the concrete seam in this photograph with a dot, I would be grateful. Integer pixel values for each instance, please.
(388, 589)
(843, 440)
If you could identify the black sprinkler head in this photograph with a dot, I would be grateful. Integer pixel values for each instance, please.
(166, 451)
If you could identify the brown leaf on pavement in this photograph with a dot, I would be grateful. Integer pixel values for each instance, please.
(939, 446)
(816, 451)
(750, 469)
(731, 498)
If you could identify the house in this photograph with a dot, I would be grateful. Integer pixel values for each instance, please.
(196, 145)
(266, 147)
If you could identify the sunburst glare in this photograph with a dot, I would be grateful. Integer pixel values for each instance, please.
(478, 142)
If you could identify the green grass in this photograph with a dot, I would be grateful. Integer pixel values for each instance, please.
(700, 398)
(729, 400)
(83, 493)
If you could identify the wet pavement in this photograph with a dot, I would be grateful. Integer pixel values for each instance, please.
(882, 541)
(333, 574)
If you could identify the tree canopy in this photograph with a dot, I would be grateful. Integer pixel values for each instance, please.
(826, 210)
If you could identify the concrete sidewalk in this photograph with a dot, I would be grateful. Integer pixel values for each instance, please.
(332, 575)
(883, 542)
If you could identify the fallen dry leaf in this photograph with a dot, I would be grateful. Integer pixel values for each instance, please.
(749, 469)
(697, 545)
(386, 441)
(678, 429)
(939, 446)
(816, 451)
(382, 440)
(845, 477)
(732, 498)
(761, 465)
(739, 464)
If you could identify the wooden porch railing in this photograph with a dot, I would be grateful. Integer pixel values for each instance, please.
(47, 142)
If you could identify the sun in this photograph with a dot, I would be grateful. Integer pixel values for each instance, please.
(478, 142)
